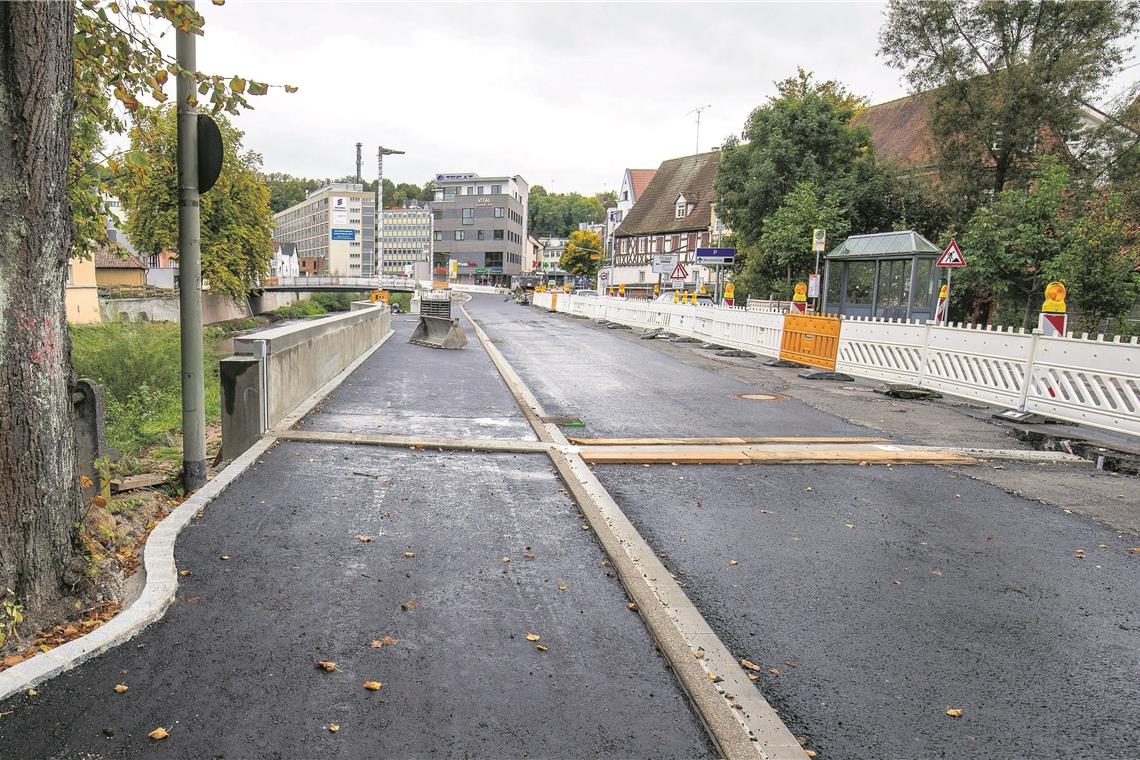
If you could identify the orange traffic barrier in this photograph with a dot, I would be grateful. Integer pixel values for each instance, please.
(813, 340)
(554, 302)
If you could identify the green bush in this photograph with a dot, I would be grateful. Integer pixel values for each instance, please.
(139, 365)
(301, 310)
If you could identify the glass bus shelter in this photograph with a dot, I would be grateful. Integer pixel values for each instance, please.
(885, 274)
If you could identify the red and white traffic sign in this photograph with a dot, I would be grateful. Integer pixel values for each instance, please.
(679, 272)
(952, 257)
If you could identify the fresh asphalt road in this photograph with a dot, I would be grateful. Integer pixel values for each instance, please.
(229, 671)
(882, 596)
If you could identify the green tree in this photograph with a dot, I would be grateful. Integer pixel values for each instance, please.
(583, 253)
(61, 66)
(558, 214)
(237, 223)
(285, 190)
(1005, 73)
(802, 134)
(783, 255)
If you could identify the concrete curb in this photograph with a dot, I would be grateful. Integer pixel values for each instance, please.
(745, 726)
(161, 584)
(158, 566)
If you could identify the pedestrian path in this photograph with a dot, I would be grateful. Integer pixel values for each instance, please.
(463, 583)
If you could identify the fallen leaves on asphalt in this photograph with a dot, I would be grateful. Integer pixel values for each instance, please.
(372, 685)
(774, 671)
(746, 663)
(699, 654)
(224, 557)
(850, 525)
(752, 676)
(528, 555)
(411, 604)
(387, 641)
(632, 606)
(767, 512)
(333, 727)
(364, 539)
(184, 573)
(32, 693)
(325, 665)
(409, 555)
(954, 712)
(158, 734)
(936, 573)
(532, 636)
(733, 562)
(542, 647)
(562, 586)
(120, 688)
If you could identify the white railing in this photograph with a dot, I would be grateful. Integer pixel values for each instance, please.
(1090, 381)
(318, 281)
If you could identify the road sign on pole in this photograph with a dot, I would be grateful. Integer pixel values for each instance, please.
(952, 257)
(663, 263)
(679, 272)
(709, 256)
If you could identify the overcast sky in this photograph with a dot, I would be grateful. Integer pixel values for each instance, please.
(566, 94)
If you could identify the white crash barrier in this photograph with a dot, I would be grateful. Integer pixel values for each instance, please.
(1078, 379)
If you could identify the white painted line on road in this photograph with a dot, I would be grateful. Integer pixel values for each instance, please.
(679, 629)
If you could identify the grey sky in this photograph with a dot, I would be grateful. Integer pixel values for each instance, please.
(566, 94)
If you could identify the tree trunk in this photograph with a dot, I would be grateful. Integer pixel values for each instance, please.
(39, 488)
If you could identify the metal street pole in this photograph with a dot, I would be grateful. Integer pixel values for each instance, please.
(190, 269)
(379, 222)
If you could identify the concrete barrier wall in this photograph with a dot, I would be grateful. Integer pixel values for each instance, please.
(215, 308)
(299, 359)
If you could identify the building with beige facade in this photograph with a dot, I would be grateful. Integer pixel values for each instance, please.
(82, 293)
(334, 224)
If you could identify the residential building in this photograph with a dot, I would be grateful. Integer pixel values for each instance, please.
(674, 213)
(480, 227)
(285, 262)
(552, 250)
(334, 225)
(82, 293)
(633, 184)
(532, 255)
(116, 268)
(407, 237)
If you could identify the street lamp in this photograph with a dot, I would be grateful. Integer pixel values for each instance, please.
(378, 224)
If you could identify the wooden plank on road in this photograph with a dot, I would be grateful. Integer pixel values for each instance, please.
(771, 454)
(728, 441)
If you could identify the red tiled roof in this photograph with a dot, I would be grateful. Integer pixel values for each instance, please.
(900, 129)
(640, 179)
(117, 259)
(654, 211)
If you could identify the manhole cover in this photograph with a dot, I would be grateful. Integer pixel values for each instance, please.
(761, 396)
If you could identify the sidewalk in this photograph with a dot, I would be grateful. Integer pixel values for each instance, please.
(229, 671)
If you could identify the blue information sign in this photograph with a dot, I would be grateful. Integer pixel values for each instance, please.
(715, 255)
(342, 234)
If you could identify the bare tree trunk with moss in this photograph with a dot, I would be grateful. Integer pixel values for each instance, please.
(39, 489)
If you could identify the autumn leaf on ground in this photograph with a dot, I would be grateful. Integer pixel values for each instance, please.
(409, 555)
(791, 663)
(387, 641)
(541, 647)
(767, 512)
(561, 586)
(808, 488)
(744, 663)
(954, 712)
(373, 685)
(184, 573)
(752, 677)
(850, 525)
(158, 734)
(85, 481)
(810, 752)
(699, 654)
(506, 558)
(325, 665)
(333, 728)
(714, 677)
(532, 636)
(528, 555)
(585, 526)
(632, 606)
(33, 693)
(364, 539)
(411, 604)
(733, 562)
(224, 557)
(120, 688)
(774, 671)
(936, 573)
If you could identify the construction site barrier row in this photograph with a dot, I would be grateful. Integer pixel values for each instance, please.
(1091, 381)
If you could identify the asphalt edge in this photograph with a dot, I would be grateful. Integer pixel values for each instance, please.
(676, 626)
(160, 583)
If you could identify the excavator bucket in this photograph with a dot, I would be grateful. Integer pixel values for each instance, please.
(438, 332)
(437, 329)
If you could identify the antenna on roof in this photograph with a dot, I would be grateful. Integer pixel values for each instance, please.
(697, 111)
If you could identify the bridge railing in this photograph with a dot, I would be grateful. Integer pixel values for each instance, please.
(1090, 381)
(319, 281)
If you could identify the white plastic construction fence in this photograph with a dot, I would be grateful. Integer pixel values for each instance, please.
(1079, 379)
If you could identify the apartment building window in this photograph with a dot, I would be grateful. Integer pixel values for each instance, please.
(500, 212)
(470, 189)
(480, 189)
(459, 234)
(668, 244)
(469, 216)
(497, 235)
(496, 189)
(437, 214)
(494, 259)
(480, 235)
(439, 235)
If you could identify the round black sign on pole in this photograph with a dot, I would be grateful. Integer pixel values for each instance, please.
(209, 152)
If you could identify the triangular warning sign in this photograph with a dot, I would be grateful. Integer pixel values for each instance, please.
(952, 257)
(679, 272)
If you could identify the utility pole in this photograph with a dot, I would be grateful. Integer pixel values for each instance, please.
(697, 111)
(190, 268)
(379, 228)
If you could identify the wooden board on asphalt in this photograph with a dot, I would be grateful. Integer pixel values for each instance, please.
(729, 441)
(772, 454)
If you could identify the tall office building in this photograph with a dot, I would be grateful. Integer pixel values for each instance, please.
(332, 229)
(407, 238)
(481, 226)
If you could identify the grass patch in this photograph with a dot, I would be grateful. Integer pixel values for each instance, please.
(139, 366)
(403, 299)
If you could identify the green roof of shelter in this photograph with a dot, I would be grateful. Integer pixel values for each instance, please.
(883, 245)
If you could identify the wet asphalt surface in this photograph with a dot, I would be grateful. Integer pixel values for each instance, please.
(945, 593)
(229, 670)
